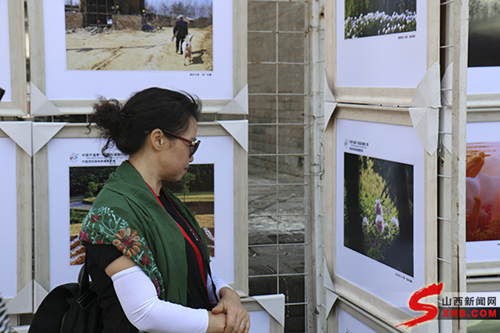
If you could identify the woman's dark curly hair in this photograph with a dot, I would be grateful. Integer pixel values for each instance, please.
(128, 126)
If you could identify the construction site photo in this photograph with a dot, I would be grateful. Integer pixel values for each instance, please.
(127, 35)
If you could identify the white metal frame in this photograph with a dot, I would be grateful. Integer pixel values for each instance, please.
(398, 116)
(40, 55)
(391, 95)
(44, 224)
(20, 235)
(15, 49)
(451, 171)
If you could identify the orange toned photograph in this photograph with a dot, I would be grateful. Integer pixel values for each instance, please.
(483, 191)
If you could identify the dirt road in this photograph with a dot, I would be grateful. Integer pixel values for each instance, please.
(136, 50)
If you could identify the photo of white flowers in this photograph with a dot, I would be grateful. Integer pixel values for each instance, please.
(372, 18)
(378, 210)
(484, 33)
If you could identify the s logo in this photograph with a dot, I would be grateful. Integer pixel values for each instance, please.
(432, 310)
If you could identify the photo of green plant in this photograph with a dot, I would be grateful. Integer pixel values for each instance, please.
(196, 190)
(84, 185)
(382, 17)
(378, 210)
(484, 33)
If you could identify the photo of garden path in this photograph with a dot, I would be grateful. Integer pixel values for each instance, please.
(482, 194)
(378, 210)
(84, 185)
(372, 18)
(484, 33)
(195, 189)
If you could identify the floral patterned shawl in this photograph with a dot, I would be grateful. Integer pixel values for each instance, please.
(127, 214)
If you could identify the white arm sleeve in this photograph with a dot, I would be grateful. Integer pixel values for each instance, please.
(219, 284)
(143, 308)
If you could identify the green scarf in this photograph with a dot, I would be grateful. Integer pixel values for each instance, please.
(127, 214)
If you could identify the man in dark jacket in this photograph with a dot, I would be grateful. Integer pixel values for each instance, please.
(180, 32)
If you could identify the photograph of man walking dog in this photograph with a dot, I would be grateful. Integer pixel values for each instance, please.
(127, 35)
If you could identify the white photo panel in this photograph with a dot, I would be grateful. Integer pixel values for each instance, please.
(383, 60)
(8, 206)
(380, 243)
(65, 154)
(5, 78)
(483, 72)
(214, 83)
(12, 59)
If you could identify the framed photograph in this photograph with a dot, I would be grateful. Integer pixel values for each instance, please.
(482, 204)
(12, 59)
(380, 217)
(15, 202)
(483, 73)
(113, 50)
(72, 160)
(378, 51)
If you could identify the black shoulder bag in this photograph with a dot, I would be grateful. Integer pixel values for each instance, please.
(69, 308)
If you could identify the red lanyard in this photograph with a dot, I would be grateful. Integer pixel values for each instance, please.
(196, 250)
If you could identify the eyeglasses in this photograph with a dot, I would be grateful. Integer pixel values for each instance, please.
(193, 145)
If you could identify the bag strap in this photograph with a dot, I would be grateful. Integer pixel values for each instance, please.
(88, 294)
(83, 277)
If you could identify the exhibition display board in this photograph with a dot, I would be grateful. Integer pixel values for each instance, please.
(378, 52)
(130, 49)
(72, 160)
(381, 210)
(12, 59)
(15, 202)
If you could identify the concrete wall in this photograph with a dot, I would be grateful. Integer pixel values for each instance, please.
(73, 20)
(120, 22)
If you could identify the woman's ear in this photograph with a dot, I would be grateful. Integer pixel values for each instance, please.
(156, 139)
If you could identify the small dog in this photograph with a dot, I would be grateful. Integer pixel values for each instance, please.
(186, 49)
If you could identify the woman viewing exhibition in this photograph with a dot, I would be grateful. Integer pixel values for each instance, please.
(146, 255)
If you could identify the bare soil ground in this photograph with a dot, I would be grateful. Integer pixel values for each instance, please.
(137, 50)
